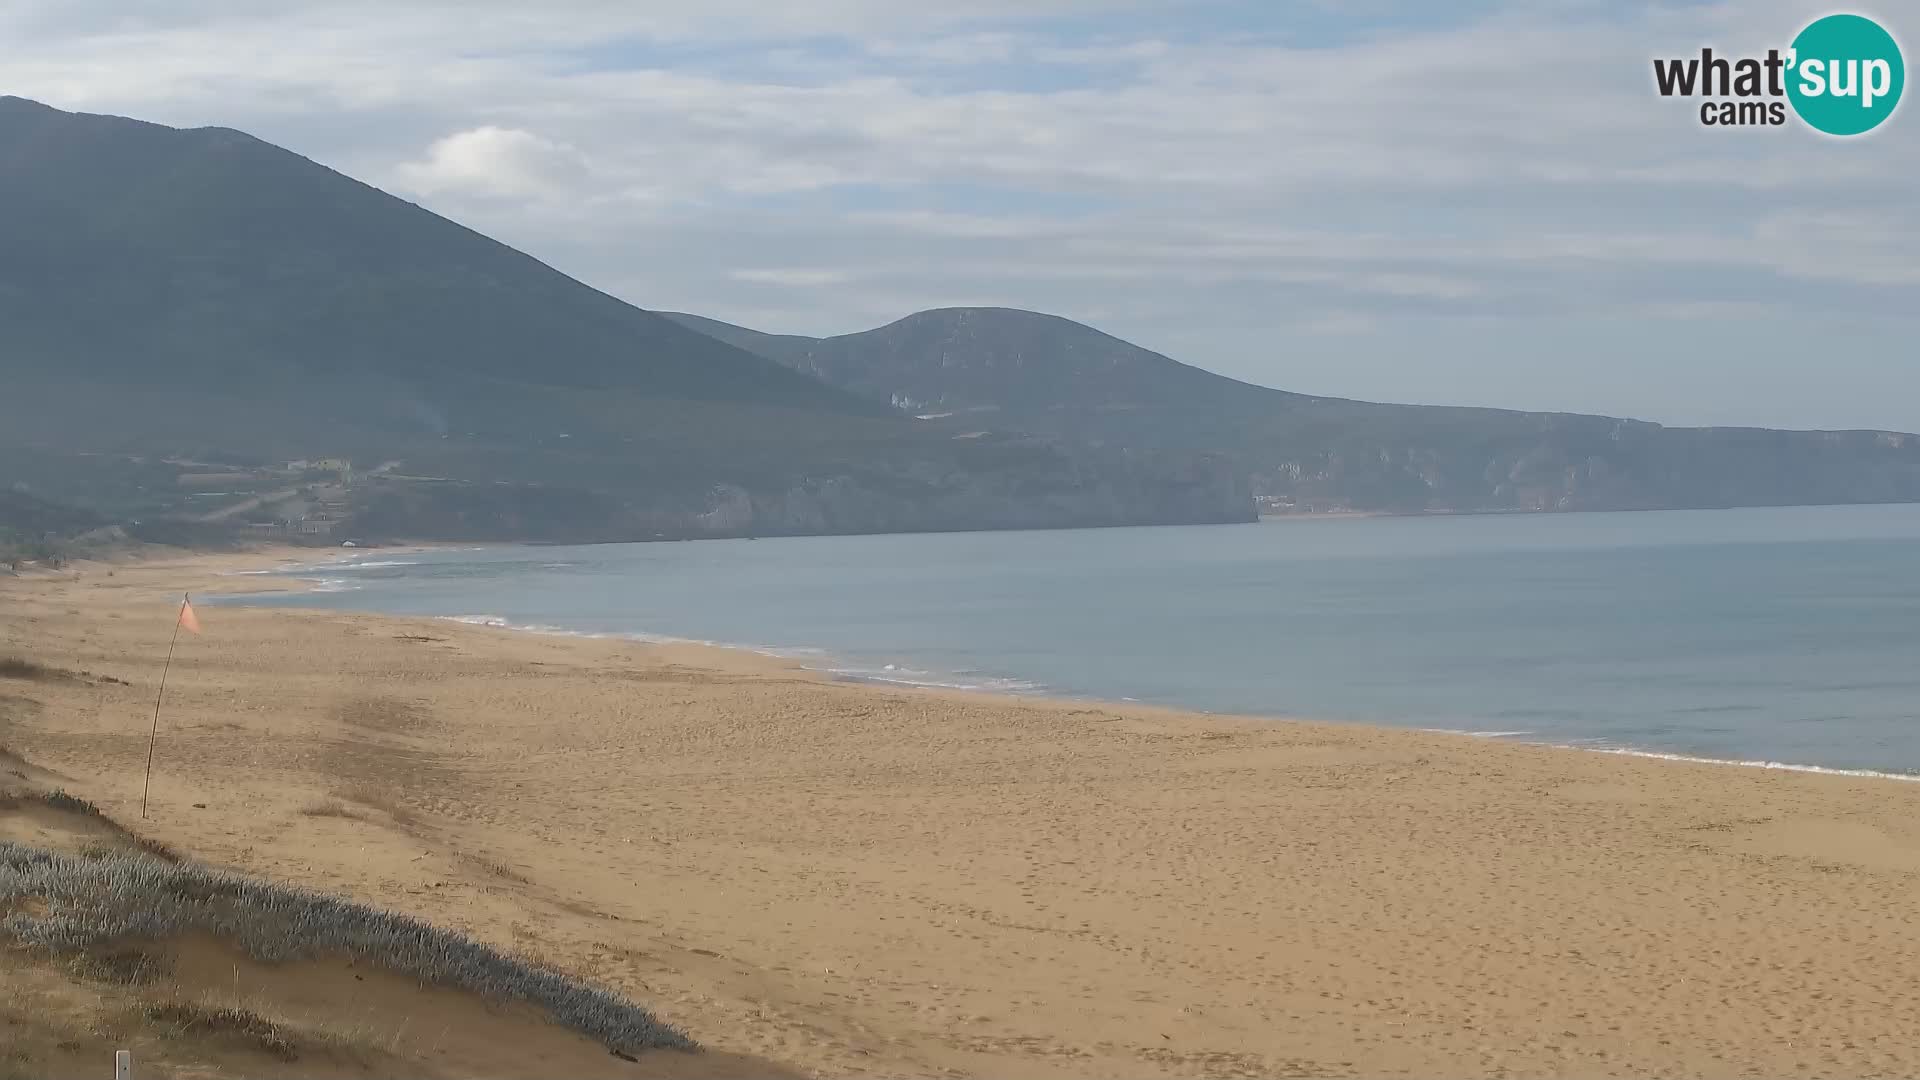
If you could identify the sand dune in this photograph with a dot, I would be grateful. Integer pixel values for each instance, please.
(198, 1001)
(859, 881)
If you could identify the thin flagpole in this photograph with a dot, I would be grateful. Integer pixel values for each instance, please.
(151, 738)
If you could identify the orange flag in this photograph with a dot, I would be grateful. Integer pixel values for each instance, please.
(188, 621)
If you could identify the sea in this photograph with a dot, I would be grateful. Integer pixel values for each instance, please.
(1784, 637)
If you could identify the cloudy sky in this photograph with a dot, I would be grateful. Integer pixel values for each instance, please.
(1475, 202)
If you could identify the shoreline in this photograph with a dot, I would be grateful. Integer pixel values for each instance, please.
(1017, 688)
(1041, 692)
(860, 880)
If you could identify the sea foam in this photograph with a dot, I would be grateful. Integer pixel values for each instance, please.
(1782, 766)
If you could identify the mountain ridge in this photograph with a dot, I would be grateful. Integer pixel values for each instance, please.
(203, 295)
(209, 197)
(1051, 375)
(847, 360)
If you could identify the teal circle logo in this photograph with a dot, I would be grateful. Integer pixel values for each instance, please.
(1845, 75)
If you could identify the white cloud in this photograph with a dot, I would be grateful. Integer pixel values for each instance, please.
(496, 161)
(799, 277)
(1221, 189)
(1339, 324)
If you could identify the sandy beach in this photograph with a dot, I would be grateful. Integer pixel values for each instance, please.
(857, 881)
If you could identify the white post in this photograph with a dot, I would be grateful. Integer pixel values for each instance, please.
(122, 1065)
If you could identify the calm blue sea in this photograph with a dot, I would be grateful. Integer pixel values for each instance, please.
(1777, 635)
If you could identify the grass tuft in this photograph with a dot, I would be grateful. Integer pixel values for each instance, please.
(19, 667)
(155, 848)
(495, 867)
(187, 1018)
(93, 903)
(74, 804)
(329, 808)
(124, 966)
(372, 797)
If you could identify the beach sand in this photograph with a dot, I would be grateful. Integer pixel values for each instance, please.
(885, 882)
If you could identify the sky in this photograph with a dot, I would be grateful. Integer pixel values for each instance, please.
(1475, 202)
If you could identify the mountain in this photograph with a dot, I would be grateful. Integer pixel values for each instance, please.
(232, 259)
(1020, 370)
(992, 360)
(202, 296)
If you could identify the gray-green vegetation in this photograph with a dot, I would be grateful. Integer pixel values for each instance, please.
(86, 904)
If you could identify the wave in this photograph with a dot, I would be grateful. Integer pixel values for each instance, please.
(304, 574)
(812, 659)
(1597, 745)
(1782, 766)
(794, 652)
(500, 622)
(377, 564)
(895, 675)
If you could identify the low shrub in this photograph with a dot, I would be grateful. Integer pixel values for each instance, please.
(87, 904)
